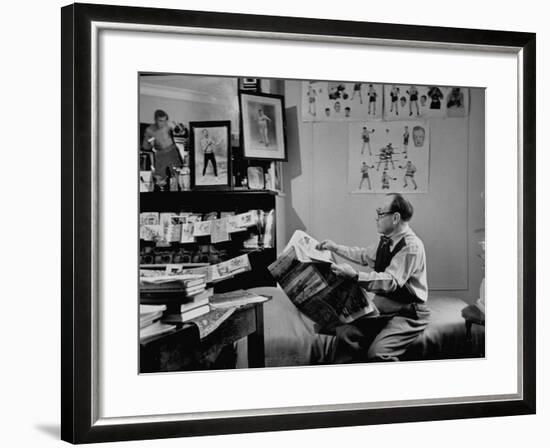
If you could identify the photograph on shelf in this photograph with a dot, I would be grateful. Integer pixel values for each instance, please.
(341, 101)
(183, 147)
(210, 154)
(274, 177)
(263, 126)
(255, 177)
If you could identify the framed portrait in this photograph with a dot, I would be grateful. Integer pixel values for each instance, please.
(263, 126)
(467, 171)
(210, 154)
(250, 84)
(275, 177)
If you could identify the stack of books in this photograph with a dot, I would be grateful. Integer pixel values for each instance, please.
(160, 287)
(149, 314)
(222, 307)
(196, 306)
(150, 325)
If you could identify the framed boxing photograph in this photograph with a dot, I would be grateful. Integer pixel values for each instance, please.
(210, 154)
(263, 126)
(105, 397)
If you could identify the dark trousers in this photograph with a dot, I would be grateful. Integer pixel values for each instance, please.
(386, 337)
(209, 157)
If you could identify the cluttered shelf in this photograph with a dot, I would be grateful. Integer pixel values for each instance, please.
(204, 200)
(227, 238)
(210, 227)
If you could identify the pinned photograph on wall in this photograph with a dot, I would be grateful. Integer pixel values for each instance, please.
(409, 102)
(457, 101)
(263, 125)
(341, 101)
(210, 154)
(388, 157)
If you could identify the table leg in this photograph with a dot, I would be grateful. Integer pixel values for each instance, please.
(256, 348)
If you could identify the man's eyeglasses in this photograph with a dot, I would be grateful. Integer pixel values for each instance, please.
(381, 214)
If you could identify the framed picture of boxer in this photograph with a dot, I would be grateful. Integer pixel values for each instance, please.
(210, 154)
(263, 126)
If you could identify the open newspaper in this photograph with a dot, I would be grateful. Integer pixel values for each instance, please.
(305, 275)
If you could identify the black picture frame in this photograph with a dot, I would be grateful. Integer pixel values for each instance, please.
(276, 127)
(250, 85)
(79, 423)
(222, 127)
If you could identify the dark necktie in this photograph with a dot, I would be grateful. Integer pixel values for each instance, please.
(383, 254)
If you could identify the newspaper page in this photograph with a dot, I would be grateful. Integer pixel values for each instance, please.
(305, 275)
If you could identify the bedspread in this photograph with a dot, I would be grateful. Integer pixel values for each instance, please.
(290, 338)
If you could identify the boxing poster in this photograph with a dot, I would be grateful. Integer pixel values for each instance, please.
(341, 101)
(411, 102)
(389, 157)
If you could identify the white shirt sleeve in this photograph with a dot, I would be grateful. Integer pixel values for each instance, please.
(401, 268)
(360, 255)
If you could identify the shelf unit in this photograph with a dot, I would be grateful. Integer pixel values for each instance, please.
(205, 201)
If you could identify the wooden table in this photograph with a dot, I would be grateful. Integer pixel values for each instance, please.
(183, 349)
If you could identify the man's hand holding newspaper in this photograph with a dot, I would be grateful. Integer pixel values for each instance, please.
(342, 269)
(320, 288)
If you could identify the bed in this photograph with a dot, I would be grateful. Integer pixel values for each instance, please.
(290, 338)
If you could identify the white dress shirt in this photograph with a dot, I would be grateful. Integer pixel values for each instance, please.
(406, 269)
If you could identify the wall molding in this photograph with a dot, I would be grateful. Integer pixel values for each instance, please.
(179, 94)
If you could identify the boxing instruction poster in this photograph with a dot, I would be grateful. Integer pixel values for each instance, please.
(390, 157)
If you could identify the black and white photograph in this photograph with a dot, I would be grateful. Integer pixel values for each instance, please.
(210, 154)
(351, 278)
(389, 157)
(359, 295)
(342, 101)
(263, 126)
(261, 313)
(409, 101)
(274, 177)
(159, 152)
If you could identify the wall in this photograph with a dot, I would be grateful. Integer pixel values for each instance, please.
(183, 111)
(446, 218)
(194, 98)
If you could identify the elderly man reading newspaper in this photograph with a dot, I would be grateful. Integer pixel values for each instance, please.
(397, 278)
